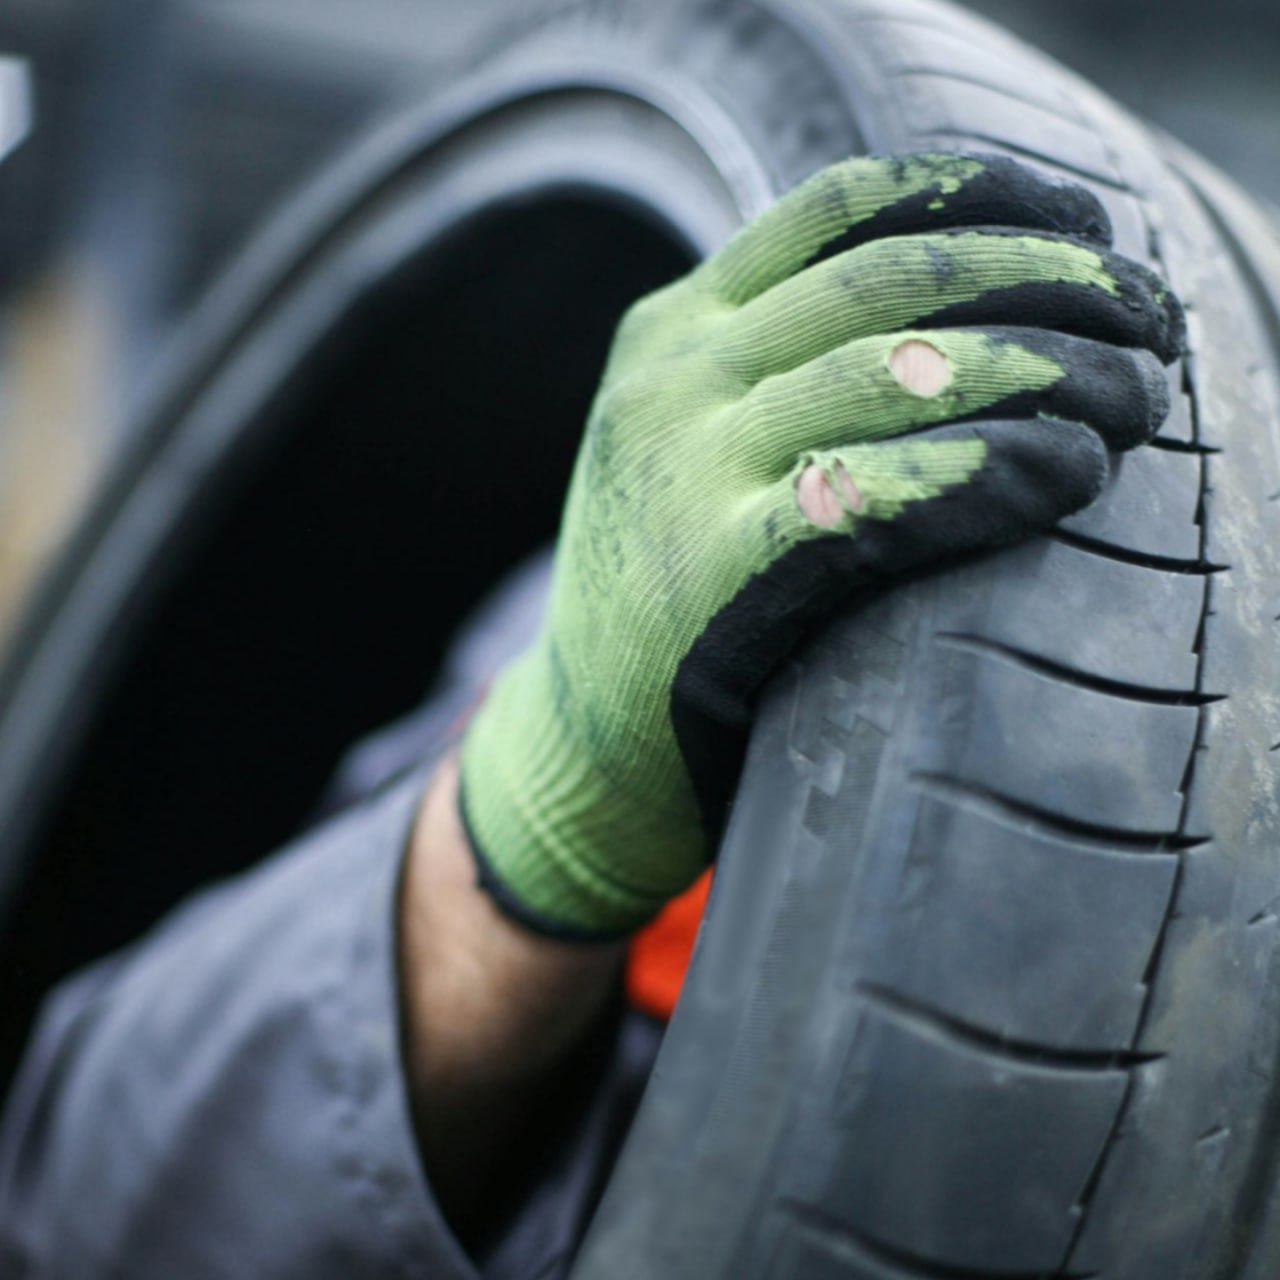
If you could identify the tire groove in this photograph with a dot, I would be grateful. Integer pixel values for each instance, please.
(1166, 444)
(1142, 559)
(883, 1256)
(1017, 813)
(1073, 676)
(920, 1016)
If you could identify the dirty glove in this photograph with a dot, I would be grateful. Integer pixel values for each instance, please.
(902, 359)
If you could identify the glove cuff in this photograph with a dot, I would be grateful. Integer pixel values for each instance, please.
(550, 832)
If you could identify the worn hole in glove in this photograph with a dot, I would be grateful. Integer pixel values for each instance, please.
(818, 498)
(920, 367)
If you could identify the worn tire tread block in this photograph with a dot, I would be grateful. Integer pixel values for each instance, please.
(1005, 915)
(1111, 764)
(1144, 485)
(928, 1131)
(1036, 604)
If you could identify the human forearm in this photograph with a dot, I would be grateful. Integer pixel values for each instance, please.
(491, 1010)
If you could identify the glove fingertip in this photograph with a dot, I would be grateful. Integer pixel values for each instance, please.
(1177, 325)
(1070, 208)
(1036, 471)
(1082, 464)
(1158, 395)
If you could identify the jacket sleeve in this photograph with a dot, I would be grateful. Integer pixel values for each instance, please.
(225, 1099)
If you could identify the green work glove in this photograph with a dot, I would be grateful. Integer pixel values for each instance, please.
(595, 776)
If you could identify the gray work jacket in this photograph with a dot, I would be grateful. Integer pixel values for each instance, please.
(225, 1100)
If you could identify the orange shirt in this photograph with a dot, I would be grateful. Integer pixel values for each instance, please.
(660, 951)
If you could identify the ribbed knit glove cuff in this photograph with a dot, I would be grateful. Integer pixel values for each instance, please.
(550, 832)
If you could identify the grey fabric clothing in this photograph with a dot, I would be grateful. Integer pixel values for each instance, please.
(225, 1100)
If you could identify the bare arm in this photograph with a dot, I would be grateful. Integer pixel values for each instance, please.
(491, 1010)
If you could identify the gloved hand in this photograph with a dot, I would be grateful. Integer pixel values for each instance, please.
(926, 355)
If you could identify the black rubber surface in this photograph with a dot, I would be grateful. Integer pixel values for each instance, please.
(987, 984)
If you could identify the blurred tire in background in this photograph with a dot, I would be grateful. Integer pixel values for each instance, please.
(166, 130)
